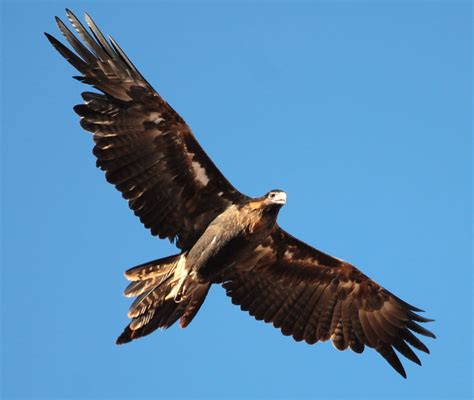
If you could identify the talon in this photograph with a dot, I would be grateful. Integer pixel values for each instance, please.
(180, 296)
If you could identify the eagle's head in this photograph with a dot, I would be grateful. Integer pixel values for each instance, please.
(270, 202)
(275, 197)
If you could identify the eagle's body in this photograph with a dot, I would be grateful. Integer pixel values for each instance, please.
(233, 235)
(184, 280)
(225, 237)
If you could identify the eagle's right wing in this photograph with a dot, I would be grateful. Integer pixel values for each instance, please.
(145, 148)
(315, 297)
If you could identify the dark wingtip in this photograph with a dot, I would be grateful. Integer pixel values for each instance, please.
(431, 335)
(55, 42)
(125, 337)
(420, 330)
(60, 23)
(80, 109)
(419, 318)
(399, 368)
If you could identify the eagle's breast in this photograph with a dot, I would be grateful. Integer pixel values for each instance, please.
(230, 237)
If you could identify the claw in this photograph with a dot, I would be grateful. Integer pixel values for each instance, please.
(180, 295)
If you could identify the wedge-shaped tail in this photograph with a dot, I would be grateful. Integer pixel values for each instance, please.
(156, 286)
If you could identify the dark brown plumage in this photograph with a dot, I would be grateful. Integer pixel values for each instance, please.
(151, 156)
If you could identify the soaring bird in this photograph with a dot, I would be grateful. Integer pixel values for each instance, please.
(150, 155)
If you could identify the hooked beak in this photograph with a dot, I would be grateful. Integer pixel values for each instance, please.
(280, 198)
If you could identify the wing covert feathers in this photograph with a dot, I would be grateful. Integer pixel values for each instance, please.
(144, 147)
(312, 296)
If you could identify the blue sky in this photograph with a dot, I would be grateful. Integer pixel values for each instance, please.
(361, 111)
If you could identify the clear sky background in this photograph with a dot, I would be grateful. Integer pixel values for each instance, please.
(361, 111)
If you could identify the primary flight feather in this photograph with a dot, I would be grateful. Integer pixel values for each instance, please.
(151, 156)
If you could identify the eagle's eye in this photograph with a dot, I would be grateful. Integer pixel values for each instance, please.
(272, 195)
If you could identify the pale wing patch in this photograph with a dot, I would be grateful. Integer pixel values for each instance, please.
(155, 117)
(288, 254)
(292, 256)
(200, 173)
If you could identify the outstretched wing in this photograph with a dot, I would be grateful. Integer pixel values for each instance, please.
(145, 148)
(315, 297)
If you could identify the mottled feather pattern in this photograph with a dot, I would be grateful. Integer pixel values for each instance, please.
(315, 297)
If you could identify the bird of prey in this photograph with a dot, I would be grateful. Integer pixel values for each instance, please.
(150, 155)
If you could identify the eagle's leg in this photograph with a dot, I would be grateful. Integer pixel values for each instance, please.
(181, 293)
(185, 287)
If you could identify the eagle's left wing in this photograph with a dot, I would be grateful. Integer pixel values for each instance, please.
(315, 297)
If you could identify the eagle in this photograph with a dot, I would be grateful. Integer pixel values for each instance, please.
(223, 236)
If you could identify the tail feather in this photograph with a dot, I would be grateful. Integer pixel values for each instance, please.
(156, 285)
(195, 303)
(149, 299)
(136, 288)
(142, 319)
(152, 269)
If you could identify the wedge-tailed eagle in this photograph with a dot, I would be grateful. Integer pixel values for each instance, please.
(151, 156)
